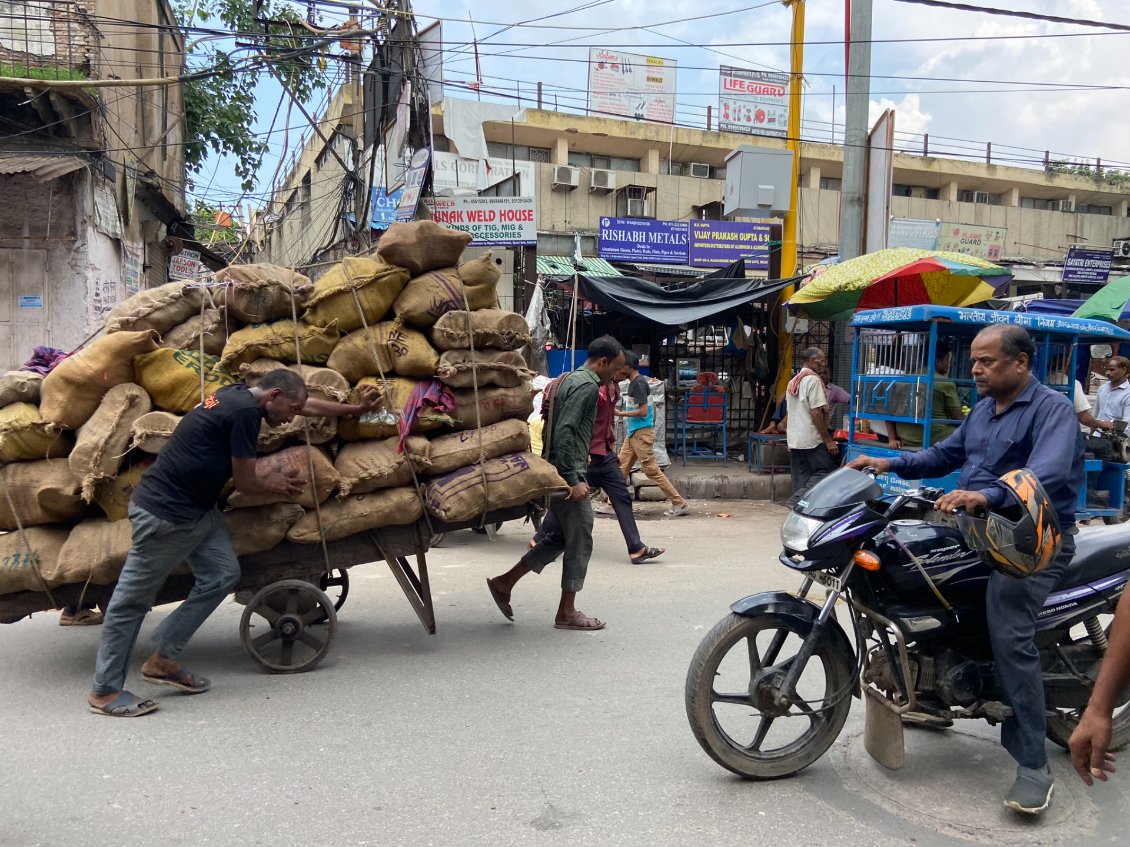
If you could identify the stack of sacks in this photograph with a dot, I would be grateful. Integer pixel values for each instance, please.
(412, 321)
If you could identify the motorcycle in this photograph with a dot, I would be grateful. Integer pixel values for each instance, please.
(770, 687)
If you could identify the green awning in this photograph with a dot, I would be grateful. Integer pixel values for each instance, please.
(563, 266)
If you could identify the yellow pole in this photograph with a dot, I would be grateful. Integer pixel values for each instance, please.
(789, 236)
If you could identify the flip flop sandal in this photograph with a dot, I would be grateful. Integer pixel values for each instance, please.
(648, 553)
(83, 617)
(125, 705)
(182, 680)
(503, 606)
(581, 623)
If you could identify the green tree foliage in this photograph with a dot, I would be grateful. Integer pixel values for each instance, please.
(206, 219)
(220, 107)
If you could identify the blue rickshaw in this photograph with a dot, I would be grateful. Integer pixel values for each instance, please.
(898, 389)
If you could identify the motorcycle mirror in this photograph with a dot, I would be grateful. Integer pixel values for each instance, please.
(1101, 351)
(1119, 426)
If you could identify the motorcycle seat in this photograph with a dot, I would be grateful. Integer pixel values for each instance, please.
(1099, 552)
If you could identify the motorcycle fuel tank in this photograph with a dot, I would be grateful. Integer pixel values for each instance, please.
(939, 549)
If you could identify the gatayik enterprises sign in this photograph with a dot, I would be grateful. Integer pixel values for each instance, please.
(715, 244)
(753, 102)
(492, 221)
(1087, 264)
(643, 240)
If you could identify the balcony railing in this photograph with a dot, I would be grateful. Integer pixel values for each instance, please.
(46, 39)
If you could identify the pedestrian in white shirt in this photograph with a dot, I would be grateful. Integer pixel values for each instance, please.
(813, 453)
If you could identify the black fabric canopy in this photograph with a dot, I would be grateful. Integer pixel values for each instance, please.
(706, 298)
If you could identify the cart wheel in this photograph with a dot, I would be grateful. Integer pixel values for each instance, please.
(338, 579)
(296, 624)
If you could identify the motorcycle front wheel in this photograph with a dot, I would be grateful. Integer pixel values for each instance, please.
(731, 691)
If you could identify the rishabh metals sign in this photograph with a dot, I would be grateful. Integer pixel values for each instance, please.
(1087, 264)
(753, 102)
(700, 244)
(632, 86)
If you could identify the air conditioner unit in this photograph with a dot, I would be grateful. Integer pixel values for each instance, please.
(700, 170)
(603, 181)
(1122, 248)
(981, 197)
(1061, 205)
(566, 177)
(639, 209)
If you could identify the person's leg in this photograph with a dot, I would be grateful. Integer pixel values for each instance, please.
(158, 547)
(820, 463)
(627, 456)
(215, 569)
(604, 473)
(550, 530)
(547, 548)
(643, 443)
(577, 523)
(800, 472)
(1012, 605)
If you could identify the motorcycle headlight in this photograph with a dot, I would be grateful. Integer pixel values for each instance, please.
(796, 531)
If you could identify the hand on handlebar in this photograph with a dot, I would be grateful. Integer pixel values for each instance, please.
(870, 463)
(971, 502)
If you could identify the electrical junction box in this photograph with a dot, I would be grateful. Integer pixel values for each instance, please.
(758, 182)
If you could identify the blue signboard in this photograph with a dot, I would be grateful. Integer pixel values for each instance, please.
(715, 244)
(1087, 264)
(384, 206)
(643, 240)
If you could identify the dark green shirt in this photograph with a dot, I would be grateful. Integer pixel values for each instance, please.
(573, 413)
(947, 404)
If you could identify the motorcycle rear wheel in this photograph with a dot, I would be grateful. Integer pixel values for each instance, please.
(818, 709)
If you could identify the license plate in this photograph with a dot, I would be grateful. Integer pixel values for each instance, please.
(828, 580)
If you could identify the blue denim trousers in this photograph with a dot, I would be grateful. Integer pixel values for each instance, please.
(158, 547)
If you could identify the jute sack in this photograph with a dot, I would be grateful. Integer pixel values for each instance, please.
(25, 436)
(320, 382)
(479, 272)
(112, 495)
(18, 569)
(151, 431)
(426, 298)
(381, 422)
(73, 390)
(20, 387)
(293, 459)
(448, 453)
(399, 350)
(258, 530)
(186, 335)
(422, 246)
(276, 341)
(172, 378)
(357, 513)
(495, 404)
(510, 480)
(95, 550)
(42, 492)
(260, 293)
(272, 438)
(103, 441)
(369, 465)
(462, 368)
(376, 285)
(158, 309)
(491, 329)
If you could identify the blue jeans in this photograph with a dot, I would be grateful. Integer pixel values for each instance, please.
(158, 547)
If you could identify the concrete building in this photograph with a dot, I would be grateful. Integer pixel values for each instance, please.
(92, 178)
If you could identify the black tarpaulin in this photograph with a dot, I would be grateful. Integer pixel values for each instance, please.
(706, 298)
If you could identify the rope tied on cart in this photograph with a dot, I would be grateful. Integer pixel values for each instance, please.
(416, 484)
(32, 557)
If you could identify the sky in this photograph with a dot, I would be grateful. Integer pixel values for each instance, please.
(965, 78)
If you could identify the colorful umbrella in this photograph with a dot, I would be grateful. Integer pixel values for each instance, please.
(1108, 303)
(900, 276)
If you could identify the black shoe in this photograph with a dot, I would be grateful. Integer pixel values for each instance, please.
(1032, 791)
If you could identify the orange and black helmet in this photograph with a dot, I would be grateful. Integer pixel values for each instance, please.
(1023, 537)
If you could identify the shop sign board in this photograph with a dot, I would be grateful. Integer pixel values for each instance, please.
(413, 184)
(184, 265)
(492, 221)
(753, 102)
(643, 240)
(984, 242)
(631, 86)
(715, 244)
(1087, 264)
(913, 232)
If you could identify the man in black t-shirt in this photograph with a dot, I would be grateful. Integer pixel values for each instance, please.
(174, 519)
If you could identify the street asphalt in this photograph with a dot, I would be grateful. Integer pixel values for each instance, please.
(490, 732)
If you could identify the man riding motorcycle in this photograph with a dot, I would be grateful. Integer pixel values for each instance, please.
(1018, 423)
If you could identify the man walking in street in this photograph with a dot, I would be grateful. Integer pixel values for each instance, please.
(813, 453)
(174, 519)
(568, 434)
(639, 440)
(1019, 423)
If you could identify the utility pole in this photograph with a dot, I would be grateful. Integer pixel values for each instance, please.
(855, 134)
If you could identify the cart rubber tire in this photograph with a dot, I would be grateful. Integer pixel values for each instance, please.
(300, 624)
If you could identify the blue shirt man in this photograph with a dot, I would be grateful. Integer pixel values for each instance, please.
(1019, 423)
